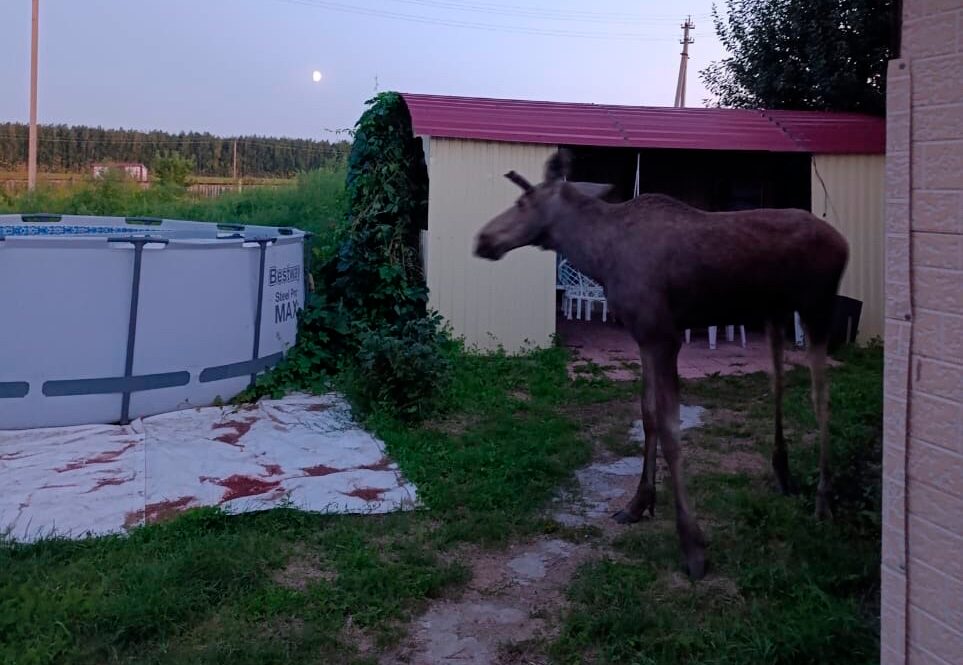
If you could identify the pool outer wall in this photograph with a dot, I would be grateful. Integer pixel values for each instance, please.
(107, 319)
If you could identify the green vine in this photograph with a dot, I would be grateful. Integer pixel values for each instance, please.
(367, 324)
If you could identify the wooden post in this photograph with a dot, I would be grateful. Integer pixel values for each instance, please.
(684, 64)
(32, 145)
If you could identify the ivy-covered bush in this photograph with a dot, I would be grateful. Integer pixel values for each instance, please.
(368, 320)
(401, 367)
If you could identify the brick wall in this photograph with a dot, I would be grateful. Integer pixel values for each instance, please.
(922, 573)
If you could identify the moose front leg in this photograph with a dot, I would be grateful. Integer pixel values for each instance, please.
(668, 425)
(644, 498)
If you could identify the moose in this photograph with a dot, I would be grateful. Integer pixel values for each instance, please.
(665, 267)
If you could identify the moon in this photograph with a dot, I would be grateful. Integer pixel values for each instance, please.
(316, 76)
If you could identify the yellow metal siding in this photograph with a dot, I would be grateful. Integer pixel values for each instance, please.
(508, 303)
(855, 187)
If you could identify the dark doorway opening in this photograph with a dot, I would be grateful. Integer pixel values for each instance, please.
(707, 179)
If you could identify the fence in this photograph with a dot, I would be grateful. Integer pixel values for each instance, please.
(199, 190)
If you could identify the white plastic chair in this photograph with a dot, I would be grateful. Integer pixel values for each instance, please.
(579, 289)
(799, 335)
(569, 281)
(713, 335)
(592, 292)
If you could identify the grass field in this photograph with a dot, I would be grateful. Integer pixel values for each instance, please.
(287, 587)
(312, 202)
(47, 177)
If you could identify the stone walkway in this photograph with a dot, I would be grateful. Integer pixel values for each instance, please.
(517, 594)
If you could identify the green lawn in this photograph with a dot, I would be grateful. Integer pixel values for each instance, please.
(783, 587)
(287, 587)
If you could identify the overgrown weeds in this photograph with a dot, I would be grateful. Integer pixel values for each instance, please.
(313, 202)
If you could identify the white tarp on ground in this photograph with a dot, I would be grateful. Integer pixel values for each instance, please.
(304, 451)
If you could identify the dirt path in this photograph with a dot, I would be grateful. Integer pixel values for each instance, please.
(517, 595)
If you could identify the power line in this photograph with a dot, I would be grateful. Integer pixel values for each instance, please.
(542, 13)
(454, 23)
(320, 146)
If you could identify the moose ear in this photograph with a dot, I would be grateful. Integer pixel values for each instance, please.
(520, 181)
(558, 166)
(591, 189)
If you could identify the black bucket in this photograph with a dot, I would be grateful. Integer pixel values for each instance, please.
(845, 325)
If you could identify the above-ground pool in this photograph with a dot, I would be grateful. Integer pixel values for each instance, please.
(107, 319)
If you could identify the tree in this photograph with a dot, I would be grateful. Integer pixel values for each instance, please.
(73, 149)
(170, 168)
(804, 54)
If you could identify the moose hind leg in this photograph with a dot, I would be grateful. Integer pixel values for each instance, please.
(644, 498)
(817, 318)
(667, 418)
(780, 458)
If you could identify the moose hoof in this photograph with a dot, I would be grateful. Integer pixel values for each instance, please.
(695, 565)
(786, 486)
(693, 548)
(780, 468)
(823, 509)
(627, 517)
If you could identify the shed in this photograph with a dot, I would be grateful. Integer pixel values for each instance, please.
(718, 159)
(134, 170)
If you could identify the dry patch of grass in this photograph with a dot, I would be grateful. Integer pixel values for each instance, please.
(302, 570)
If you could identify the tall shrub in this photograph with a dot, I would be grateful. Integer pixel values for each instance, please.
(368, 319)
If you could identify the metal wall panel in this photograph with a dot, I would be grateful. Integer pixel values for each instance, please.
(508, 303)
(854, 205)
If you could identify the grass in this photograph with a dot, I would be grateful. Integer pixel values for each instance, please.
(77, 177)
(289, 587)
(208, 588)
(783, 588)
(312, 202)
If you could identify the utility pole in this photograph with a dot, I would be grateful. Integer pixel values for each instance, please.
(684, 64)
(32, 144)
(235, 166)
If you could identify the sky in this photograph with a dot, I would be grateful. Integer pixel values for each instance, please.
(243, 67)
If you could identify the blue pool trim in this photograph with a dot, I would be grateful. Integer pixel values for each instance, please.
(132, 326)
(13, 389)
(262, 243)
(245, 367)
(72, 230)
(115, 384)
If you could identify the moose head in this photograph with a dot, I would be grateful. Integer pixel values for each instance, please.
(538, 210)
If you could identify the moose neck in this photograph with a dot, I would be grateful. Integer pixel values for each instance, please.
(585, 237)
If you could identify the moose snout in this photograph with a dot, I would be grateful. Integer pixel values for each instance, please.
(485, 247)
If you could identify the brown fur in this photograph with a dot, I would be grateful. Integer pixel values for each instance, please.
(667, 266)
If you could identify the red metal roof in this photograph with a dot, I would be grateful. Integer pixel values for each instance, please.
(557, 123)
(820, 132)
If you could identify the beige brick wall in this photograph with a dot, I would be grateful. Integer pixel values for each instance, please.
(922, 572)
